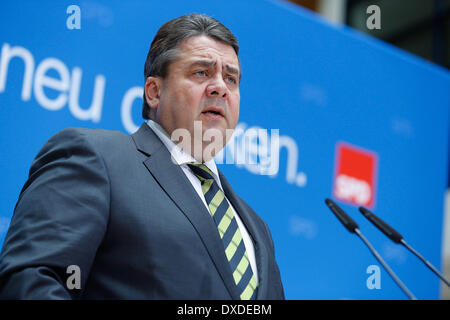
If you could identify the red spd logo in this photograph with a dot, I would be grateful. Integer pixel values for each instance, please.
(354, 180)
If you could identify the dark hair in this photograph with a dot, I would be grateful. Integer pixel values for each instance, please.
(164, 47)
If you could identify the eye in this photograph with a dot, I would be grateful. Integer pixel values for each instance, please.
(231, 79)
(201, 73)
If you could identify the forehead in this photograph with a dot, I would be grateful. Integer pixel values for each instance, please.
(203, 47)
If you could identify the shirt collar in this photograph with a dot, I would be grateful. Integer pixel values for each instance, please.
(178, 155)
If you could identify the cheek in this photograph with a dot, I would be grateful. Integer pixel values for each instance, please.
(191, 99)
(183, 103)
(234, 104)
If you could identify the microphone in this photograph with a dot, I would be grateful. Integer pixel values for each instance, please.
(392, 234)
(353, 227)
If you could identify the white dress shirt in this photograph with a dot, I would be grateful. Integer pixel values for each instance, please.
(182, 159)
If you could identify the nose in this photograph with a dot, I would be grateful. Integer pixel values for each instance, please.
(217, 88)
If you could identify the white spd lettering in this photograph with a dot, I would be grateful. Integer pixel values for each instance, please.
(352, 189)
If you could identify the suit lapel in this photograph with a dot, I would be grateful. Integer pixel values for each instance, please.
(261, 254)
(177, 186)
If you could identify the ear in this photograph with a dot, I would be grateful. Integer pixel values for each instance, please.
(152, 91)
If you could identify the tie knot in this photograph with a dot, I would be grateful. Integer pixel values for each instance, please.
(201, 171)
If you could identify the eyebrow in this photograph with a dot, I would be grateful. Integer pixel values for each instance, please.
(210, 63)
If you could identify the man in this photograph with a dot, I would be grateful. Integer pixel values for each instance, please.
(140, 217)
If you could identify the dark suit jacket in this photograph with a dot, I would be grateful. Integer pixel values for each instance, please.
(116, 206)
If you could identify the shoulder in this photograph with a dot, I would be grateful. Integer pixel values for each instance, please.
(98, 139)
(88, 135)
(76, 143)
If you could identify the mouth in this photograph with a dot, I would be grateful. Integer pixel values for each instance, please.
(214, 112)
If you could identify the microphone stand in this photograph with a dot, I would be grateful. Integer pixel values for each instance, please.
(396, 237)
(353, 227)
(385, 265)
(428, 264)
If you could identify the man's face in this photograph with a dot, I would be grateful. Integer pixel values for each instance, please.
(201, 85)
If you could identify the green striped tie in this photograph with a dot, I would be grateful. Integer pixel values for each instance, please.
(229, 232)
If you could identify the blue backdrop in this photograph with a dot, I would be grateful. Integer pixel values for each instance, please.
(327, 89)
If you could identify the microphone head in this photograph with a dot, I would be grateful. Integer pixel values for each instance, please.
(348, 222)
(390, 232)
